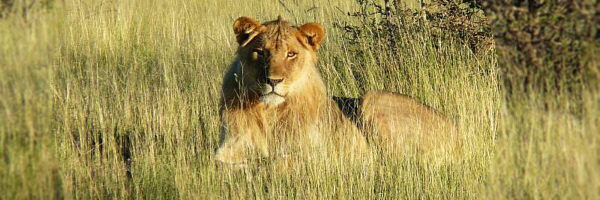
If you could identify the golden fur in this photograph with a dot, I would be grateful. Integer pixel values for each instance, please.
(274, 104)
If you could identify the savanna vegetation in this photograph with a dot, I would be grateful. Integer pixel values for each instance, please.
(119, 99)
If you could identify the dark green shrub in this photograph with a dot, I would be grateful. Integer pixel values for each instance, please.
(443, 20)
(547, 46)
(22, 7)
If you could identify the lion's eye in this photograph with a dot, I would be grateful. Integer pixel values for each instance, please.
(291, 54)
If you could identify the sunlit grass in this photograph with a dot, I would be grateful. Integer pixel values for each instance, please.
(85, 85)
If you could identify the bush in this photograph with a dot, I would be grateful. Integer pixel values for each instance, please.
(22, 7)
(443, 20)
(547, 45)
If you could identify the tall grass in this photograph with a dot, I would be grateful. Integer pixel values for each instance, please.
(118, 99)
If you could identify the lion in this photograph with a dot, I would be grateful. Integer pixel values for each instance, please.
(274, 104)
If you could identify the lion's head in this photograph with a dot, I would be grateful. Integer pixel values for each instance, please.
(277, 59)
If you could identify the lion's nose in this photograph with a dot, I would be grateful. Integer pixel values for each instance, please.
(274, 82)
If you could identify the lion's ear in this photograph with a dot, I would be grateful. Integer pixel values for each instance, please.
(245, 29)
(312, 34)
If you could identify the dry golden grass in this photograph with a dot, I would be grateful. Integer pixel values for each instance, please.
(85, 84)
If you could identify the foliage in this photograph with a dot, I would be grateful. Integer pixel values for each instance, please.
(548, 45)
(22, 7)
(443, 20)
(543, 46)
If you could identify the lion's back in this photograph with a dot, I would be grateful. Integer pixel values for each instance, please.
(401, 124)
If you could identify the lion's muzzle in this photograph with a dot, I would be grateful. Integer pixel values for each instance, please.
(272, 93)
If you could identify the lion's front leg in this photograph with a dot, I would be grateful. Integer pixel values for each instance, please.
(233, 148)
(242, 137)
